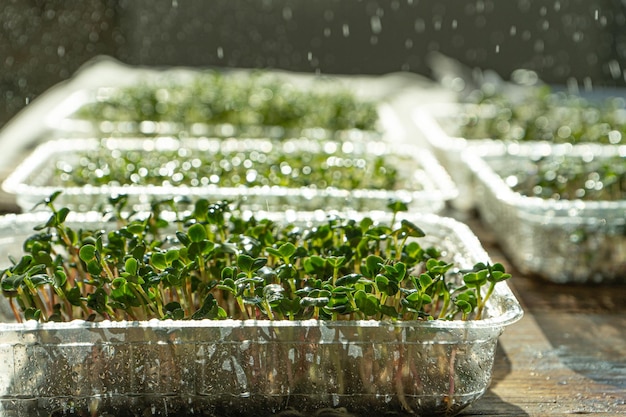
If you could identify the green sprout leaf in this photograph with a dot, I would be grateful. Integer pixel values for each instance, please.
(373, 265)
(215, 261)
(197, 233)
(158, 260)
(131, 266)
(87, 253)
(411, 229)
(396, 206)
(367, 303)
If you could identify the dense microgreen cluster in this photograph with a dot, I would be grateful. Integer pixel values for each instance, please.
(230, 168)
(547, 115)
(569, 177)
(210, 261)
(253, 99)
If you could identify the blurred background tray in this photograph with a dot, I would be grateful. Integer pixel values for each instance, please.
(562, 240)
(374, 173)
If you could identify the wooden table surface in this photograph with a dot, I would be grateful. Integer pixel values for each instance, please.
(567, 356)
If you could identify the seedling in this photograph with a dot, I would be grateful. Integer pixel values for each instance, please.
(211, 261)
(192, 166)
(212, 97)
(542, 114)
(566, 177)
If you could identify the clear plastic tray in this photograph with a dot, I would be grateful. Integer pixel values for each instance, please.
(564, 241)
(66, 121)
(438, 125)
(65, 116)
(251, 368)
(425, 185)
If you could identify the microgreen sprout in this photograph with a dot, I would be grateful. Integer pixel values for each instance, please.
(544, 114)
(214, 97)
(212, 261)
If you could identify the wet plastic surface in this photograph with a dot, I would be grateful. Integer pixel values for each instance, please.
(438, 125)
(421, 181)
(252, 367)
(561, 240)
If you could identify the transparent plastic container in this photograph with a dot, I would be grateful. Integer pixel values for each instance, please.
(190, 103)
(70, 125)
(439, 125)
(64, 119)
(422, 181)
(564, 241)
(251, 368)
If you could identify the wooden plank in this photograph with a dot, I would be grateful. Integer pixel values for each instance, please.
(566, 357)
(532, 377)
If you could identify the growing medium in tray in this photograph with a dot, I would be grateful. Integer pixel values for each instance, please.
(211, 261)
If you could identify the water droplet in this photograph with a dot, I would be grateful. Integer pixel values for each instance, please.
(376, 24)
(419, 25)
(287, 13)
(614, 69)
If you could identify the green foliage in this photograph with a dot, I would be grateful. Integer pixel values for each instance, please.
(544, 114)
(569, 177)
(213, 97)
(260, 166)
(213, 262)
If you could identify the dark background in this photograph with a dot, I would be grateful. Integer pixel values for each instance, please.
(574, 42)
